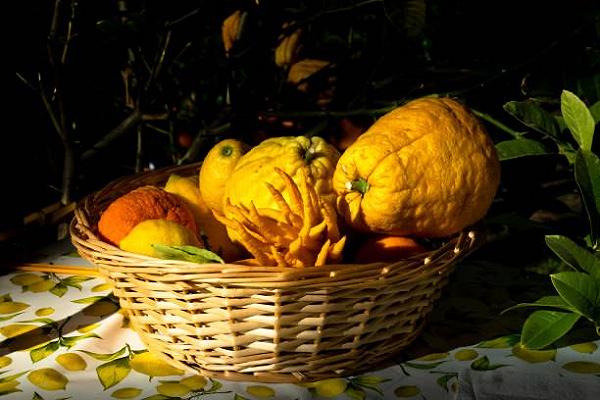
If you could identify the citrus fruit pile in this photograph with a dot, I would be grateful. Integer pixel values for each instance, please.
(427, 169)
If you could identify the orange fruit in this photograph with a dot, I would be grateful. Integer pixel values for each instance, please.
(141, 204)
(387, 249)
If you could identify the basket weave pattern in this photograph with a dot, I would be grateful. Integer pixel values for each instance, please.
(265, 323)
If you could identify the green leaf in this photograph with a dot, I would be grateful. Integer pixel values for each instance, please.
(587, 176)
(12, 377)
(7, 317)
(534, 116)
(75, 280)
(580, 290)
(544, 327)
(595, 111)
(187, 253)
(502, 342)
(214, 386)
(546, 301)
(355, 393)
(105, 357)
(59, 290)
(516, 148)
(89, 300)
(578, 118)
(239, 397)
(444, 379)
(423, 366)
(42, 352)
(70, 341)
(483, 364)
(573, 255)
(113, 372)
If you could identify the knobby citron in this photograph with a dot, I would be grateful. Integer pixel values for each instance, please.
(426, 169)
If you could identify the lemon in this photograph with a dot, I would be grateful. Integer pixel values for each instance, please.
(9, 307)
(26, 279)
(260, 391)
(48, 379)
(588, 347)
(407, 391)
(71, 362)
(186, 188)
(4, 361)
(466, 355)
(331, 387)
(41, 286)
(126, 393)
(42, 312)
(13, 330)
(141, 238)
(102, 287)
(172, 389)
(100, 309)
(195, 382)
(533, 356)
(149, 364)
(583, 367)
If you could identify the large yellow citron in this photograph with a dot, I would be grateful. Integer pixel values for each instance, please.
(427, 168)
(216, 168)
(212, 231)
(248, 182)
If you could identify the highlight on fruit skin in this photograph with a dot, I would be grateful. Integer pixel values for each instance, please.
(301, 232)
(143, 203)
(387, 248)
(144, 235)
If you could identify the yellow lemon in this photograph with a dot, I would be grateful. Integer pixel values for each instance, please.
(533, 356)
(588, 347)
(196, 382)
(149, 364)
(466, 355)
(48, 379)
(4, 361)
(407, 391)
(157, 231)
(42, 312)
(26, 279)
(217, 167)
(14, 330)
(71, 362)
(126, 393)
(41, 286)
(100, 309)
(102, 287)
(331, 387)
(260, 391)
(583, 367)
(172, 389)
(9, 307)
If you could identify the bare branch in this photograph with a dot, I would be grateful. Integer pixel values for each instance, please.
(192, 152)
(128, 123)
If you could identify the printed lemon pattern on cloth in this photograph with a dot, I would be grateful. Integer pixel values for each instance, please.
(63, 336)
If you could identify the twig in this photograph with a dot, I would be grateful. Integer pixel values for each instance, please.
(139, 152)
(194, 149)
(496, 123)
(335, 114)
(63, 58)
(119, 130)
(170, 24)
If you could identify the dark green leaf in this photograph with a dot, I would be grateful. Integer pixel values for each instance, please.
(39, 353)
(595, 111)
(546, 301)
(516, 148)
(578, 289)
(572, 254)
(545, 327)
(444, 379)
(483, 364)
(187, 253)
(36, 396)
(59, 290)
(587, 176)
(105, 357)
(74, 281)
(113, 372)
(578, 118)
(534, 116)
(72, 340)
(355, 393)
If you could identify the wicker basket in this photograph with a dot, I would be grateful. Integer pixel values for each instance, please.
(264, 323)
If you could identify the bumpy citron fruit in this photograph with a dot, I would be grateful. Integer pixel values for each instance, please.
(425, 169)
(48, 379)
(148, 364)
(126, 393)
(157, 231)
(141, 204)
(216, 169)
(71, 362)
(212, 231)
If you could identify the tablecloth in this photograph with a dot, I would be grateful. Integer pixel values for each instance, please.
(63, 336)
